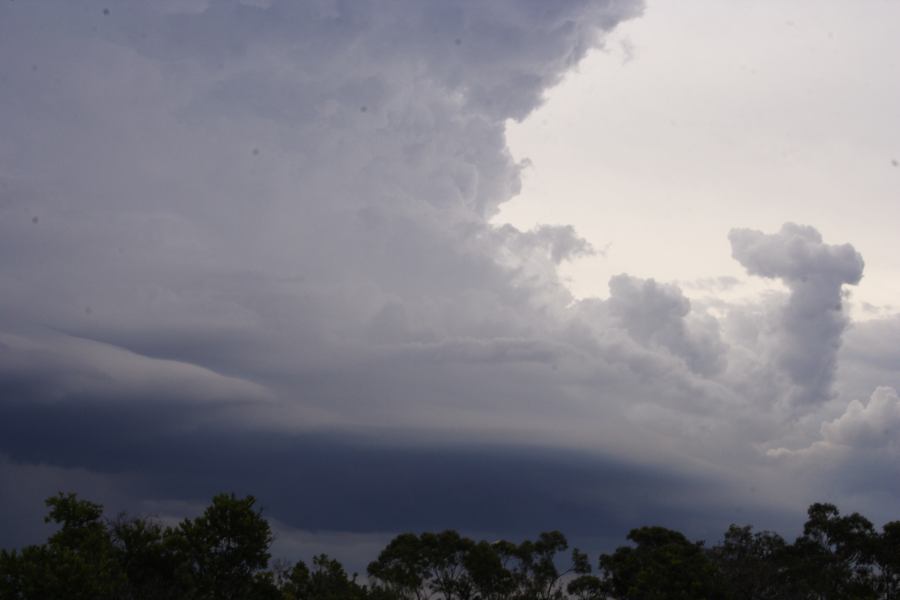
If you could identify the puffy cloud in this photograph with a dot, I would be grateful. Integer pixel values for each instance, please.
(875, 424)
(655, 313)
(812, 321)
(796, 254)
(559, 241)
(863, 430)
(854, 455)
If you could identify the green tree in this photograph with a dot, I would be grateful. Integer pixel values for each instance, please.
(401, 569)
(445, 562)
(752, 564)
(326, 581)
(490, 578)
(662, 565)
(223, 553)
(78, 560)
(834, 558)
(887, 560)
(585, 586)
(533, 566)
(146, 554)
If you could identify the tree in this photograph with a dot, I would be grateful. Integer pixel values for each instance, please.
(77, 561)
(887, 560)
(536, 574)
(146, 555)
(752, 564)
(326, 581)
(402, 568)
(445, 559)
(223, 553)
(662, 565)
(490, 579)
(834, 558)
(436, 565)
(585, 586)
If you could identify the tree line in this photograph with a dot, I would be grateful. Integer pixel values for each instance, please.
(225, 553)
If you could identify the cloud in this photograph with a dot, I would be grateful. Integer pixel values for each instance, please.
(513, 490)
(796, 254)
(24, 487)
(870, 353)
(53, 368)
(240, 239)
(871, 425)
(559, 241)
(855, 454)
(227, 202)
(812, 321)
(713, 284)
(655, 313)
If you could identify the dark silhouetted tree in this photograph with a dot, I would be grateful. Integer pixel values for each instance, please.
(326, 581)
(223, 553)
(834, 558)
(78, 561)
(752, 565)
(662, 565)
(887, 561)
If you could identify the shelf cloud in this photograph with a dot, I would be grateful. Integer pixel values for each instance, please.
(248, 245)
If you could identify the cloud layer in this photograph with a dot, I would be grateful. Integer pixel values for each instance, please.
(247, 245)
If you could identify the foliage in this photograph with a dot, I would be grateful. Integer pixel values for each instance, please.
(752, 565)
(326, 581)
(225, 553)
(663, 564)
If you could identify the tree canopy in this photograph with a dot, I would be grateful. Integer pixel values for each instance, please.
(224, 553)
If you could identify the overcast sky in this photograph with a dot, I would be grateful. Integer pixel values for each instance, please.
(494, 266)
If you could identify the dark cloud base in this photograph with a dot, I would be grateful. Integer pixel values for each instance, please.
(363, 484)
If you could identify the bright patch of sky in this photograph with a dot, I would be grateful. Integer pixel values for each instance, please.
(702, 116)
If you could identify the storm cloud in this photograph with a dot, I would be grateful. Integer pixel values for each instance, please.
(248, 246)
(812, 321)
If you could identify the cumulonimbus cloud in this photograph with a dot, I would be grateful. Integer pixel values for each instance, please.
(812, 322)
(292, 201)
(656, 313)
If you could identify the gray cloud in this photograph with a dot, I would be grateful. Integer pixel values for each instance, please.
(655, 313)
(870, 353)
(873, 424)
(559, 241)
(809, 330)
(273, 216)
(246, 245)
(54, 368)
(864, 428)
(854, 455)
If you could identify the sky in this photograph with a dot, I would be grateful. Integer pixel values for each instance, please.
(725, 114)
(499, 267)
